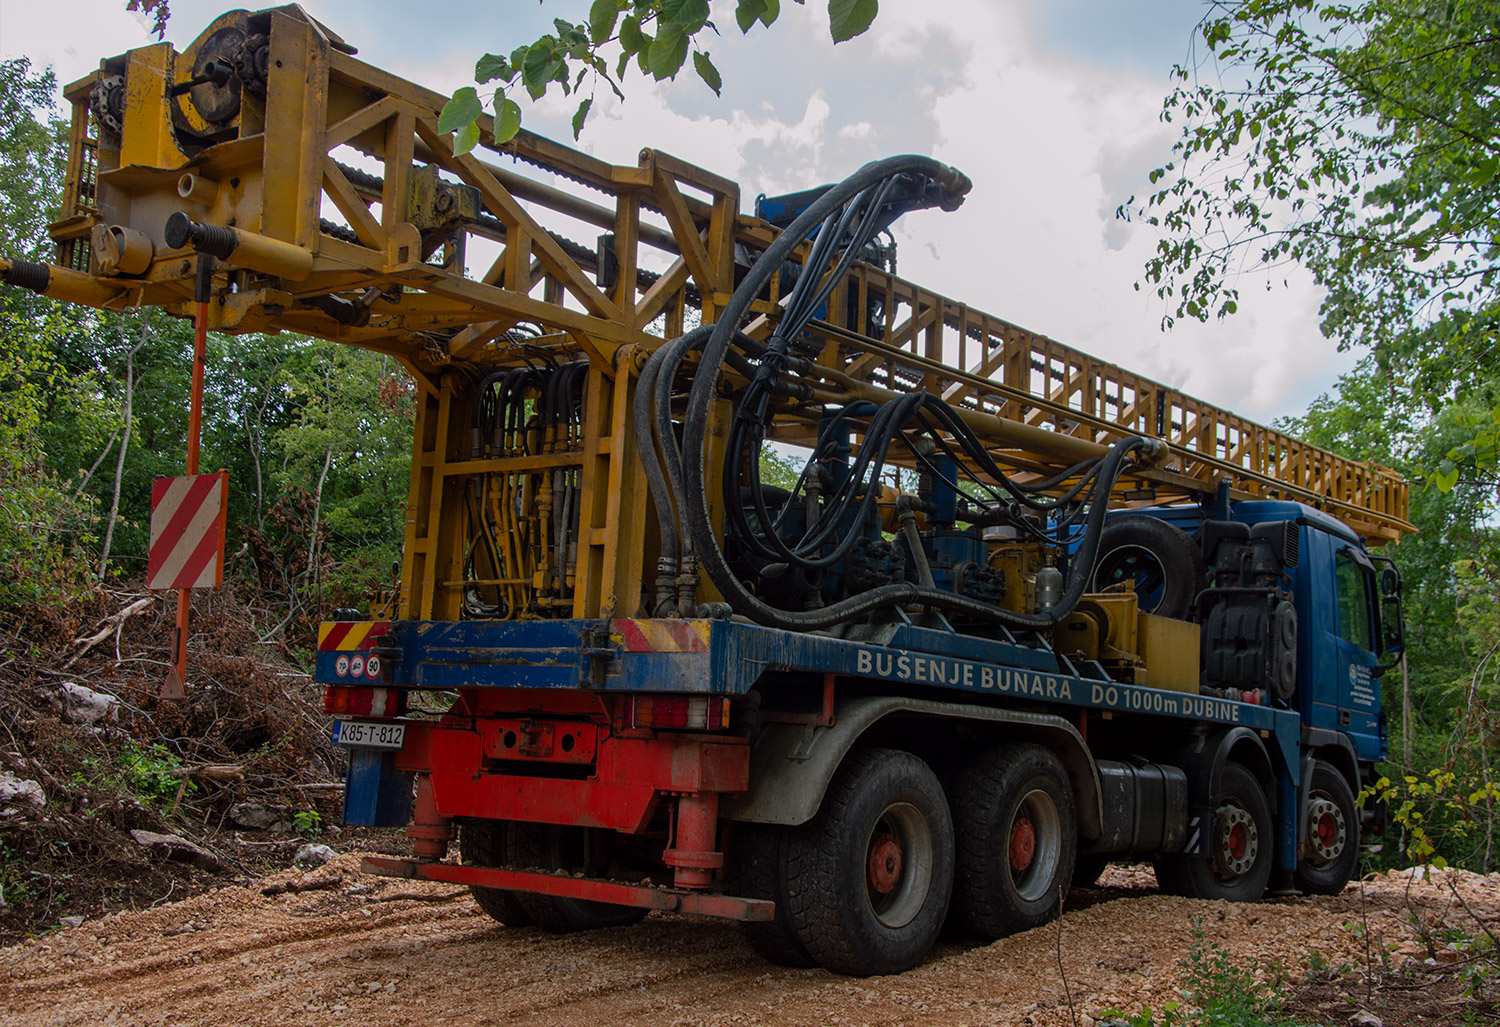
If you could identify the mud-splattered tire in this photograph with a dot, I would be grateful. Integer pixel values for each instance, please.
(868, 878)
(482, 843)
(554, 847)
(757, 870)
(1330, 850)
(1240, 843)
(1016, 834)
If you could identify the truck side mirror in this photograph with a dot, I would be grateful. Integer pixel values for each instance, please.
(1392, 624)
(1392, 628)
(1390, 582)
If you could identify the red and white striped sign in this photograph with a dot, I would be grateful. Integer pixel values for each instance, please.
(187, 531)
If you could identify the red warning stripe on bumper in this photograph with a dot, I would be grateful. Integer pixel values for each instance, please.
(662, 636)
(348, 636)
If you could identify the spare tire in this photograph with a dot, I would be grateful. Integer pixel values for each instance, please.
(1162, 560)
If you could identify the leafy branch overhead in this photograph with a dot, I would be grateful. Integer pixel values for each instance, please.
(1361, 141)
(656, 36)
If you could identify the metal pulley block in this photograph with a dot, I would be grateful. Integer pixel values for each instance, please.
(252, 62)
(107, 103)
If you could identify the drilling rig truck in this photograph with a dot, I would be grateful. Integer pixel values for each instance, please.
(1017, 612)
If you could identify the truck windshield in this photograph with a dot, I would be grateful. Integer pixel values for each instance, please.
(1354, 603)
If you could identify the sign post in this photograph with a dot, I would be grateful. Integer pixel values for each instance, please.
(172, 687)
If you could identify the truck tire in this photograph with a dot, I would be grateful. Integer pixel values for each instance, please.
(1088, 867)
(757, 870)
(1240, 843)
(1331, 850)
(1165, 564)
(1016, 837)
(556, 847)
(481, 843)
(868, 878)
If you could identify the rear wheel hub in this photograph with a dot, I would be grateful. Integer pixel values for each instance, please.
(1326, 830)
(1022, 844)
(1236, 841)
(884, 868)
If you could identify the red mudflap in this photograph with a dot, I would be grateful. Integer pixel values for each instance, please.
(566, 886)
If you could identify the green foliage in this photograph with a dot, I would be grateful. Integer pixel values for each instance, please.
(654, 35)
(17, 887)
(1437, 812)
(777, 469)
(46, 528)
(32, 158)
(306, 822)
(848, 18)
(1359, 140)
(1216, 992)
(148, 771)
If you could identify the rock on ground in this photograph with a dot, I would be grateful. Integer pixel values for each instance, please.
(176, 847)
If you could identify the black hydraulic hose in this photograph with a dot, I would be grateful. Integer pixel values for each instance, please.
(483, 401)
(814, 535)
(695, 505)
(645, 444)
(1099, 481)
(857, 222)
(547, 408)
(1079, 571)
(672, 355)
(950, 421)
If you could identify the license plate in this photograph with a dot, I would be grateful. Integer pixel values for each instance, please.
(361, 734)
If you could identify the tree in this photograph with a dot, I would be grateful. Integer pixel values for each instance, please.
(32, 158)
(1363, 144)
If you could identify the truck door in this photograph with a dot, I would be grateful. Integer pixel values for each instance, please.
(1355, 650)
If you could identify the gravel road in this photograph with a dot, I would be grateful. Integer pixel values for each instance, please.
(381, 953)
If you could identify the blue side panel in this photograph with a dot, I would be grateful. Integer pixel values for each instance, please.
(376, 794)
(728, 658)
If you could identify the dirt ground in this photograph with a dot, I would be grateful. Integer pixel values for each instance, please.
(365, 950)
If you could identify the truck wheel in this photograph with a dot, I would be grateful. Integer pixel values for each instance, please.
(1165, 564)
(1088, 867)
(481, 843)
(1332, 847)
(556, 847)
(757, 870)
(1240, 845)
(868, 878)
(1016, 834)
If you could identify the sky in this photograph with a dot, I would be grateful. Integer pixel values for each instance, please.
(1050, 107)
